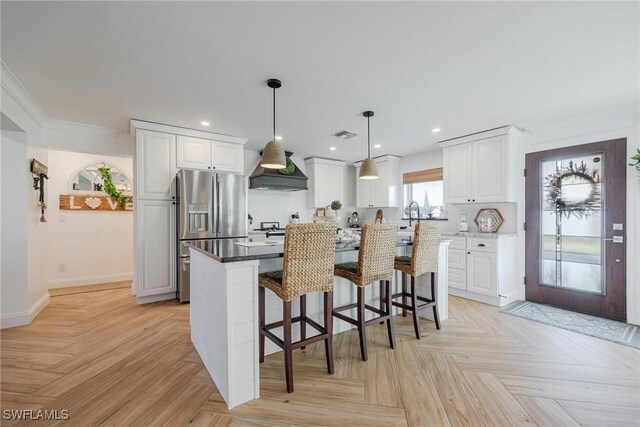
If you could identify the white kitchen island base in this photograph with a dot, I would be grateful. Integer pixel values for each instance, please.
(224, 328)
(224, 314)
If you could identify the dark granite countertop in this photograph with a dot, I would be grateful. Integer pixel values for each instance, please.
(224, 250)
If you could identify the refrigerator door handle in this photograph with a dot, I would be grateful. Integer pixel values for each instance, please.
(218, 203)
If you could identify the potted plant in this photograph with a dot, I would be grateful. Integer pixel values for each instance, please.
(336, 206)
(636, 158)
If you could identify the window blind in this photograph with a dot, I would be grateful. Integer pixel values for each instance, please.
(426, 175)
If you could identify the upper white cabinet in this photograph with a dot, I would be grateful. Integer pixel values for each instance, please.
(383, 192)
(201, 153)
(155, 165)
(326, 181)
(194, 153)
(481, 168)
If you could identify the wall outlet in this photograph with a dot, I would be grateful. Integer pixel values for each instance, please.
(62, 268)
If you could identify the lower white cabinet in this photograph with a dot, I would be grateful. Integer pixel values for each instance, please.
(155, 247)
(482, 268)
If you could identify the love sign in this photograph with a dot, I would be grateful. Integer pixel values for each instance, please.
(91, 203)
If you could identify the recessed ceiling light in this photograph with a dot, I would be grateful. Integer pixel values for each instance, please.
(435, 130)
(205, 123)
(278, 138)
(332, 148)
(377, 146)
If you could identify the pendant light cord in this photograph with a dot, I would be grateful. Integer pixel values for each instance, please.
(368, 139)
(274, 113)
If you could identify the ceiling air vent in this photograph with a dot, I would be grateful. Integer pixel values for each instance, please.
(345, 134)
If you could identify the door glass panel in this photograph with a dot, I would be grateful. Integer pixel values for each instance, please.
(572, 223)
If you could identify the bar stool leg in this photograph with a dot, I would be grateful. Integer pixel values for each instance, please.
(361, 324)
(434, 297)
(261, 317)
(414, 307)
(303, 323)
(382, 297)
(388, 308)
(404, 294)
(288, 351)
(328, 325)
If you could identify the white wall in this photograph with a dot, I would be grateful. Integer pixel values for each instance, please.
(18, 107)
(91, 246)
(14, 177)
(88, 139)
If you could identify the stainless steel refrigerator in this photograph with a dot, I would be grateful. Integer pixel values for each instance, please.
(210, 205)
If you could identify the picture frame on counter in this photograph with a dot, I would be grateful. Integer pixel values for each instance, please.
(321, 212)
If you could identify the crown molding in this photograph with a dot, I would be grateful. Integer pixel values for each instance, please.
(61, 125)
(22, 96)
(177, 130)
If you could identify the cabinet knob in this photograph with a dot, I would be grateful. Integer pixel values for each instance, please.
(474, 200)
(468, 200)
(173, 197)
(173, 203)
(213, 167)
(468, 253)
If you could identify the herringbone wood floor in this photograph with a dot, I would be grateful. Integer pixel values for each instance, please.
(111, 362)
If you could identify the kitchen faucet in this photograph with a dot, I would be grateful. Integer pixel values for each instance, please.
(413, 202)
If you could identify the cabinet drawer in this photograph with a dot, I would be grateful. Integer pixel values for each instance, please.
(458, 259)
(457, 278)
(482, 245)
(457, 242)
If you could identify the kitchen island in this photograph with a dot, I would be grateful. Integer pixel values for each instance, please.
(224, 306)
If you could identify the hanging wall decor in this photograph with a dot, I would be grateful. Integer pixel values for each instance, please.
(574, 191)
(40, 171)
(98, 187)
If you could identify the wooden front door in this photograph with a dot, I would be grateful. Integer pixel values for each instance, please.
(575, 224)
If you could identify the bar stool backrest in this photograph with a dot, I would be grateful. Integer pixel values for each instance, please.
(309, 257)
(377, 252)
(426, 246)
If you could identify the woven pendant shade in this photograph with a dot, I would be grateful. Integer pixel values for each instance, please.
(369, 169)
(273, 156)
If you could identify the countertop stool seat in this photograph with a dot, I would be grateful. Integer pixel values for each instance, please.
(309, 256)
(375, 263)
(424, 259)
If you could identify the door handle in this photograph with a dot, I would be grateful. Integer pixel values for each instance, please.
(187, 261)
(614, 239)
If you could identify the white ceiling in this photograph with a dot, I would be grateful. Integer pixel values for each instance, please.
(464, 67)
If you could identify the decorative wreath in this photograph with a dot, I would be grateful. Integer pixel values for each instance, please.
(578, 208)
(289, 169)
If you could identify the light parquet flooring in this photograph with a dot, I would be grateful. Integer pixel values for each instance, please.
(111, 362)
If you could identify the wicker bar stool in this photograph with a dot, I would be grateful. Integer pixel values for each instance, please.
(309, 256)
(375, 262)
(424, 259)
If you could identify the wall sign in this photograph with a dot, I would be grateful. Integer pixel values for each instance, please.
(91, 203)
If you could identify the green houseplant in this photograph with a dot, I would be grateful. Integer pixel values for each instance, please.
(336, 205)
(636, 158)
(109, 187)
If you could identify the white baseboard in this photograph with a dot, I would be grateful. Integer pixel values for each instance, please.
(26, 317)
(36, 308)
(13, 320)
(88, 280)
(156, 298)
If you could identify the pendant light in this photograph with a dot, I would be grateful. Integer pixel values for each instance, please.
(273, 156)
(369, 168)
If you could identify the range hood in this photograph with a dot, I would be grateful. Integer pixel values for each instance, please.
(271, 179)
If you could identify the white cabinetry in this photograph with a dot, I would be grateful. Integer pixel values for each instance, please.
(160, 151)
(155, 256)
(383, 192)
(155, 165)
(482, 268)
(201, 153)
(326, 181)
(481, 168)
